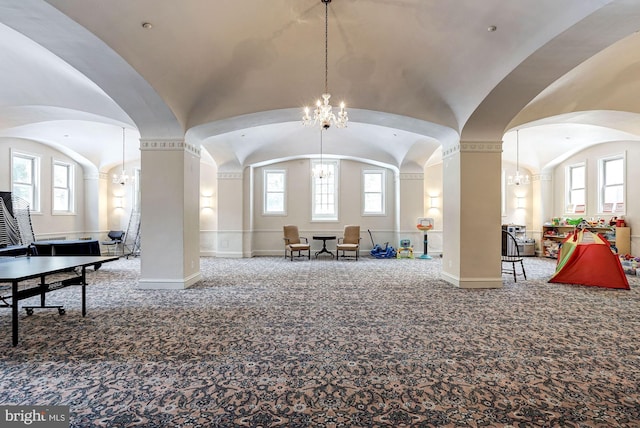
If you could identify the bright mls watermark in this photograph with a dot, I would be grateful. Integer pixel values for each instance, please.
(34, 416)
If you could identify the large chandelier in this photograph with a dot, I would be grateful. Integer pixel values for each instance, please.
(518, 179)
(323, 113)
(122, 178)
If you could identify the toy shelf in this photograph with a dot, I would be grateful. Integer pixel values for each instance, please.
(552, 237)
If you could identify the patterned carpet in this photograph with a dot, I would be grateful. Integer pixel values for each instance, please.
(266, 342)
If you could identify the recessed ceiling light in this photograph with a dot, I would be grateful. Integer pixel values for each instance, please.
(492, 28)
(147, 25)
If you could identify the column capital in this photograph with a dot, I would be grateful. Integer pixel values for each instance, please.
(93, 175)
(411, 176)
(230, 176)
(472, 147)
(157, 144)
(541, 177)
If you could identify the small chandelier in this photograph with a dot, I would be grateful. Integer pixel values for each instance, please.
(319, 169)
(518, 179)
(323, 113)
(122, 178)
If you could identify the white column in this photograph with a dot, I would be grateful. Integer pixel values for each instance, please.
(471, 214)
(411, 208)
(542, 205)
(230, 214)
(170, 183)
(92, 192)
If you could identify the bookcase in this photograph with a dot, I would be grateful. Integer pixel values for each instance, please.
(552, 237)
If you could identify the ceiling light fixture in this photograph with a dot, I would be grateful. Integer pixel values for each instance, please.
(518, 179)
(123, 178)
(323, 113)
(319, 170)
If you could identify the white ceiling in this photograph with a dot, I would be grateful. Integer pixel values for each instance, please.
(233, 76)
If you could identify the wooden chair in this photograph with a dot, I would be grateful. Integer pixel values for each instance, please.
(350, 242)
(511, 256)
(293, 242)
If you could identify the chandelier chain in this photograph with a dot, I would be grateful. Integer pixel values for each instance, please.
(123, 150)
(122, 178)
(517, 150)
(323, 114)
(518, 179)
(326, 46)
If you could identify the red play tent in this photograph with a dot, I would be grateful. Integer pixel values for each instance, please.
(585, 258)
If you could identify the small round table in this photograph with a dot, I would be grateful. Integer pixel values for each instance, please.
(324, 239)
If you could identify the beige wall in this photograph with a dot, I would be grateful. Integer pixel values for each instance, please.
(265, 232)
(45, 224)
(267, 229)
(591, 157)
(433, 188)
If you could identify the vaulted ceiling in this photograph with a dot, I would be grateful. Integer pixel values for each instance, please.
(233, 76)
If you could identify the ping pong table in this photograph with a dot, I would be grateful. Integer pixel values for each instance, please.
(15, 270)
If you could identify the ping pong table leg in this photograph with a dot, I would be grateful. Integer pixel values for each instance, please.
(84, 290)
(14, 311)
(43, 291)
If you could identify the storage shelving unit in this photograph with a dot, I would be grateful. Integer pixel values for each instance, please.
(552, 237)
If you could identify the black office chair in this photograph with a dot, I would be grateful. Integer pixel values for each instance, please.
(116, 237)
(511, 255)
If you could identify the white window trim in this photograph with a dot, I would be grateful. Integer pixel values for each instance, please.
(71, 183)
(264, 193)
(601, 163)
(36, 208)
(336, 187)
(383, 192)
(567, 186)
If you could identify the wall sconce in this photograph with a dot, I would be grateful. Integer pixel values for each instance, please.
(434, 202)
(521, 202)
(206, 202)
(118, 202)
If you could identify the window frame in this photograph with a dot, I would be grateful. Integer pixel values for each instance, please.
(266, 192)
(35, 203)
(70, 187)
(335, 177)
(569, 203)
(382, 192)
(602, 185)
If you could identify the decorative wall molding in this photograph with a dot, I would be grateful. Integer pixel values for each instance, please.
(169, 145)
(449, 151)
(230, 176)
(412, 176)
(473, 147)
(541, 177)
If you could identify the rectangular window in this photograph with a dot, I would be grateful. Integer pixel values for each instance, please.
(275, 184)
(62, 187)
(25, 177)
(612, 173)
(325, 190)
(373, 186)
(576, 188)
